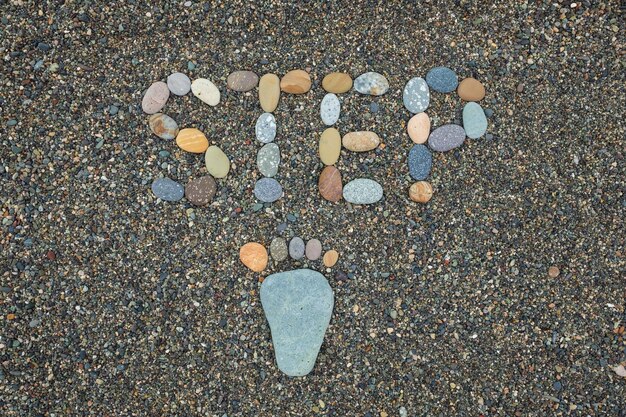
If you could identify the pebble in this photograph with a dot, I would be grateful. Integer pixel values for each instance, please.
(371, 83)
(192, 140)
(216, 162)
(330, 184)
(278, 249)
(470, 89)
(268, 190)
(362, 191)
(360, 141)
(418, 127)
(206, 91)
(330, 258)
(442, 79)
(298, 306)
(296, 248)
(242, 81)
(553, 272)
(155, 97)
(421, 192)
(178, 83)
(163, 126)
(11, 122)
(268, 159)
(200, 191)
(337, 82)
(113, 109)
(167, 189)
(330, 109)
(313, 249)
(416, 96)
(269, 92)
(296, 82)
(254, 256)
(446, 137)
(330, 146)
(474, 120)
(265, 128)
(420, 162)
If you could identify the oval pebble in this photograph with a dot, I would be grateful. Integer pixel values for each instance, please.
(371, 83)
(254, 256)
(330, 184)
(242, 81)
(360, 141)
(313, 249)
(416, 96)
(179, 83)
(167, 189)
(296, 82)
(330, 109)
(362, 191)
(419, 127)
(216, 162)
(206, 91)
(296, 248)
(192, 140)
(446, 137)
(442, 79)
(470, 89)
(474, 120)
(330, 258)
(265, 128)
(268, 190)
(269, 92)
(163, 126)
(200, 191)
(330, 146)
(268, 159)
(155, 97)
(421, 192)
(278, 249)
(337, 82)
(420, 162)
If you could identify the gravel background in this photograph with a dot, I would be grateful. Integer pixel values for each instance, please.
(114, 304)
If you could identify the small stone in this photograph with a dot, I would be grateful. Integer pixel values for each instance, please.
(360, 141)
(192, 140)
(330, 109)
(254, 256)
(419, 127)
(416, 96)
(442, 79)
(216, 162)
(620, 371)
(470, 89)
(51, 255)
(268, 190)
(265, 128)
(374, 107)
(43, 47)
(362, 191)
(371, 83)
(520, 88)
(474, 120)
(421, 192)
(242, 81)
(269, 92)
(337, 82)
(167, 189)
(278, 249)
(155, 97)
(330, 184)
(420, 162)
(179, 83)
(313, 249)
(296, 248)
(113, 109)
(268, 159)
(206, 91)
(330, 258)
(330, 146)
(11, 123)
(296, 82)
(200, 191)
(163, 126)
(446, 137)
(553, 272)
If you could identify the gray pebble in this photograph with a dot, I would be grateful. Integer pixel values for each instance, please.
(278, 249)
(179, 83)
(296, 248)
(265, 128)
(167, 189)
(268, 159)
(446, 137)
(416, 96)
(330, 109)
(268, 190)
(362, 191)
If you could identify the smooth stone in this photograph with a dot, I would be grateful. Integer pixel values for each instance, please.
(155, 97)
(371, 83)
(421, 192)
(179, 83)
(296, 82)
(416, 96)
(362, 191)
(442, 79)
(265, 128)
(420, 162)
(298, 306)
(268, 190)
(167, 189)
(268, 159)
(296, 248)
(337, 82)
(278, 249)
(313, 249)
(330, 109)
(216, 162)
(474, 120)
(446, 137)
(163, 126)
(200, 191)
(330, 184)
(269, 92)
(419, 127)
(192, 140)
(330, 146)
(206, 91)
(470, 89)
(242, 80)
(330, 258)
(360, 141)
(254, 256)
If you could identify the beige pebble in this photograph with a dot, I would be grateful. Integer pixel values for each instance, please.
(296, 82)
(254, 256)
(360, 141)
(269, 92)
(192, 140)
(421, 192)
(330, 258)
(418, 128)
(330, 146)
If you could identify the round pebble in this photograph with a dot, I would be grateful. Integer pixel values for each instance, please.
(553, 272)
(242, 81)
(296, 82)
(330, 184)
(167, 189)
(206, 91)
(200, 191)
(416, 96)
(296, 248)
(362, 191)
(420, 162)
(421, 192)
(254, 256)
(163, 126)
(442, 79)
(265, 128)
(268, 190)
(474, 120)
(419, 127)
(179, 84)
(446, 137)
(470, 89)
(313, 249)
(330, 258)
(337, 82)
(216, 162)
(330, 109)
(278, 249)
(192, 140)
(268, 159)
(371, 83)
(155, 97)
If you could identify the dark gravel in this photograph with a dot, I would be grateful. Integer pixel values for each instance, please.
(112, 304)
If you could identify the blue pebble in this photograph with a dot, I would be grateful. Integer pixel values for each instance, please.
(11, 122)
(442, 79)
(113, 110)
(268, 190)
(38, 65)
(191, 66)
(374, 107)
(167, 189)
(420, 162)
